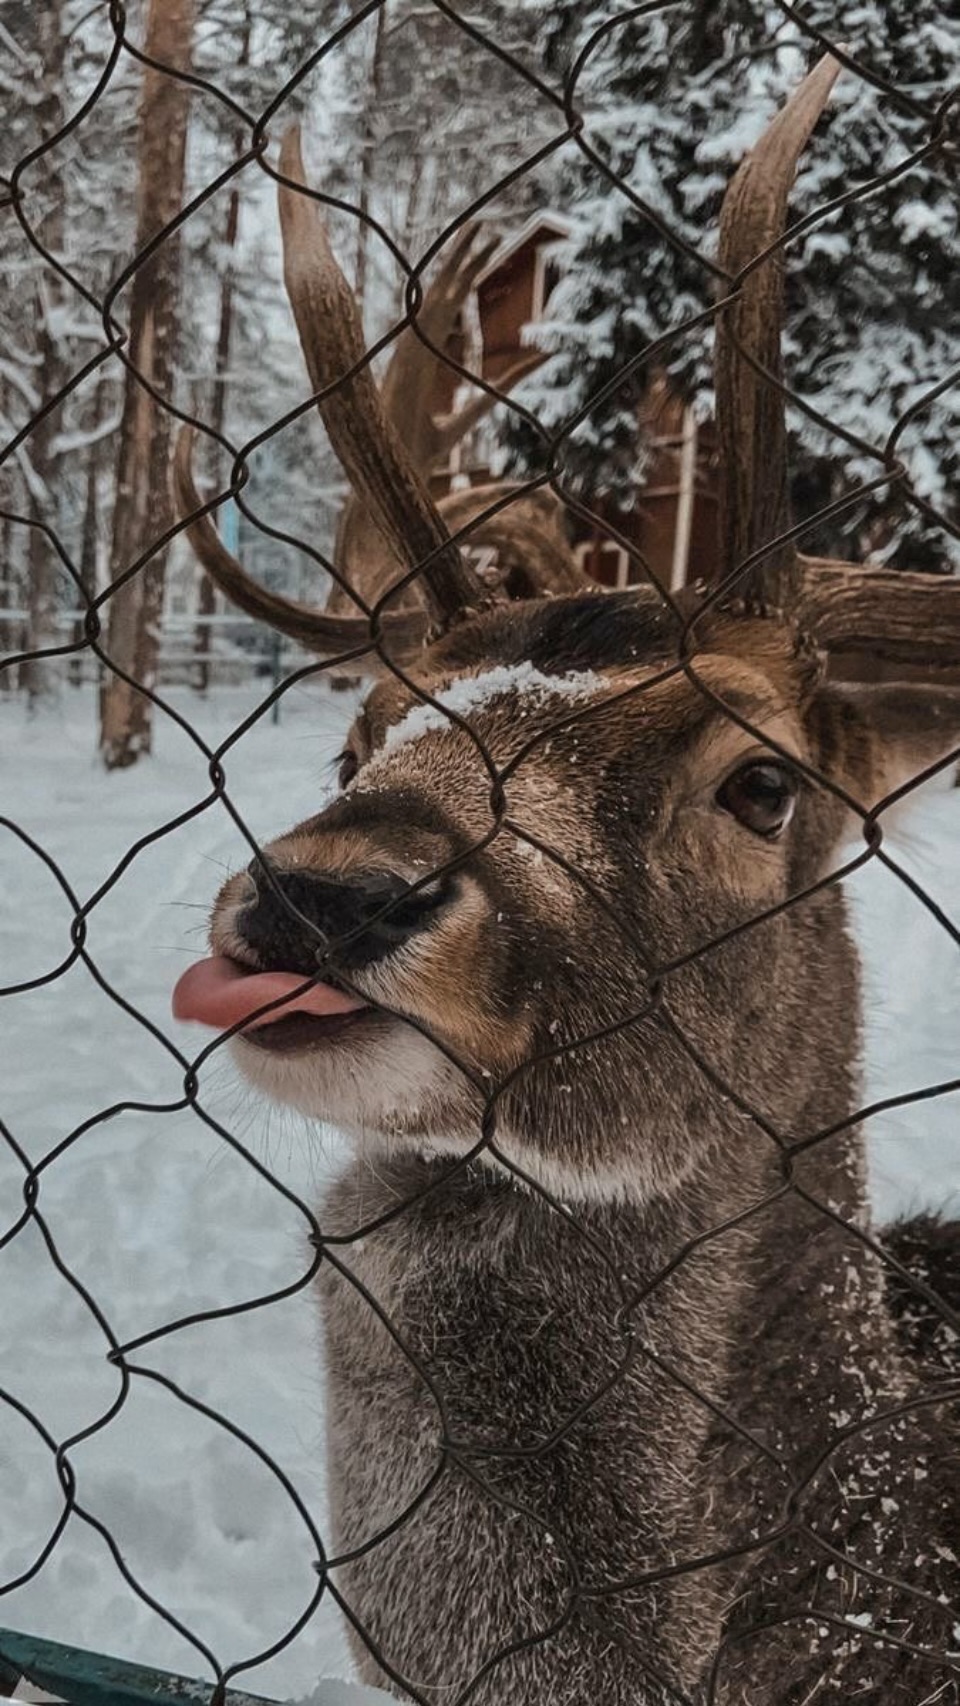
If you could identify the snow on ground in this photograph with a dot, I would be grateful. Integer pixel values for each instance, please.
(155, 1212)
(161, 1218)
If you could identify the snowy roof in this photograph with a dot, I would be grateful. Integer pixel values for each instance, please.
(554, 226)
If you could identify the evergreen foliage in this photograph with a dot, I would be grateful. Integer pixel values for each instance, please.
(672, 101)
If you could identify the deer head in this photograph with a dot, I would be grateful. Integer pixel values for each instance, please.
(565, 839)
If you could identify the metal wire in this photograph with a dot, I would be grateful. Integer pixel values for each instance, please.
(785, 1520)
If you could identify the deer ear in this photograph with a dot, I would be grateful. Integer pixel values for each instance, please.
(875, 740)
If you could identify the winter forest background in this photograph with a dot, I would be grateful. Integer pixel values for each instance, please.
(411, 119)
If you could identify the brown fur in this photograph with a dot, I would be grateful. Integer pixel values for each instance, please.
(572, 1439)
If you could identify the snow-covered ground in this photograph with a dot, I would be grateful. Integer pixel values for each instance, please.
(159, 1217)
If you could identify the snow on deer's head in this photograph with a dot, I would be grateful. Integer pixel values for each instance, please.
(511, 890)
(637, 823)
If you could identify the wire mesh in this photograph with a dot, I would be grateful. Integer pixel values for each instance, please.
(807, 1598)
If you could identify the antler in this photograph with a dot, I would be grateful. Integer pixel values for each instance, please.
(390, 522)
(751, 419)
(368, 448)
(408, 395)
(404, 632)
(410, 382)
(906, 618)
(528, 537)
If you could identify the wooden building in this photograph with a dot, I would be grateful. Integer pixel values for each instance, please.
(673, 521)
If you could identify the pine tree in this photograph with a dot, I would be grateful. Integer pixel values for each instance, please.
(673, 102)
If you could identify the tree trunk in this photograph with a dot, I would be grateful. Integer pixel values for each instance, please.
(89, 532)
(87, 565)
(143, 505)
(9, 598)
(207, 600)
(368, 154)
(40, 675)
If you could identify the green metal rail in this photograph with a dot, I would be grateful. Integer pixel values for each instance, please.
(92, 1679)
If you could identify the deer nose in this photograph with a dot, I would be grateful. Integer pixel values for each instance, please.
(299, 915)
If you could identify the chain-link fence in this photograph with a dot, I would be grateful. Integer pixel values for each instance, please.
(616, 1414)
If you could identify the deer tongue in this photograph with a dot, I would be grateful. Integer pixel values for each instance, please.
(221, 993)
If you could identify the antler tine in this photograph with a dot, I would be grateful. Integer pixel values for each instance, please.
(751, 419)
(534, 558)
(450, 429)
(902, 617)
(413, 371)
(533, 554)
(410, 380)
(408, 396)
(374, 459)
(325, 634)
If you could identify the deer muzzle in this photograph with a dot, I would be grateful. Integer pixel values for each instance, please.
(296, 928)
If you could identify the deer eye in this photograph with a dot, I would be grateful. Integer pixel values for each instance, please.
(761, 795)
(349, 765)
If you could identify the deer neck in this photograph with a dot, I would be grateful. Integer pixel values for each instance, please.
(578, 1375)
(483, 1268)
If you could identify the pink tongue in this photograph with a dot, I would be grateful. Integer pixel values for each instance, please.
(220, 993)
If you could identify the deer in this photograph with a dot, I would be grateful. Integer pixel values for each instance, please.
(621, 1407)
